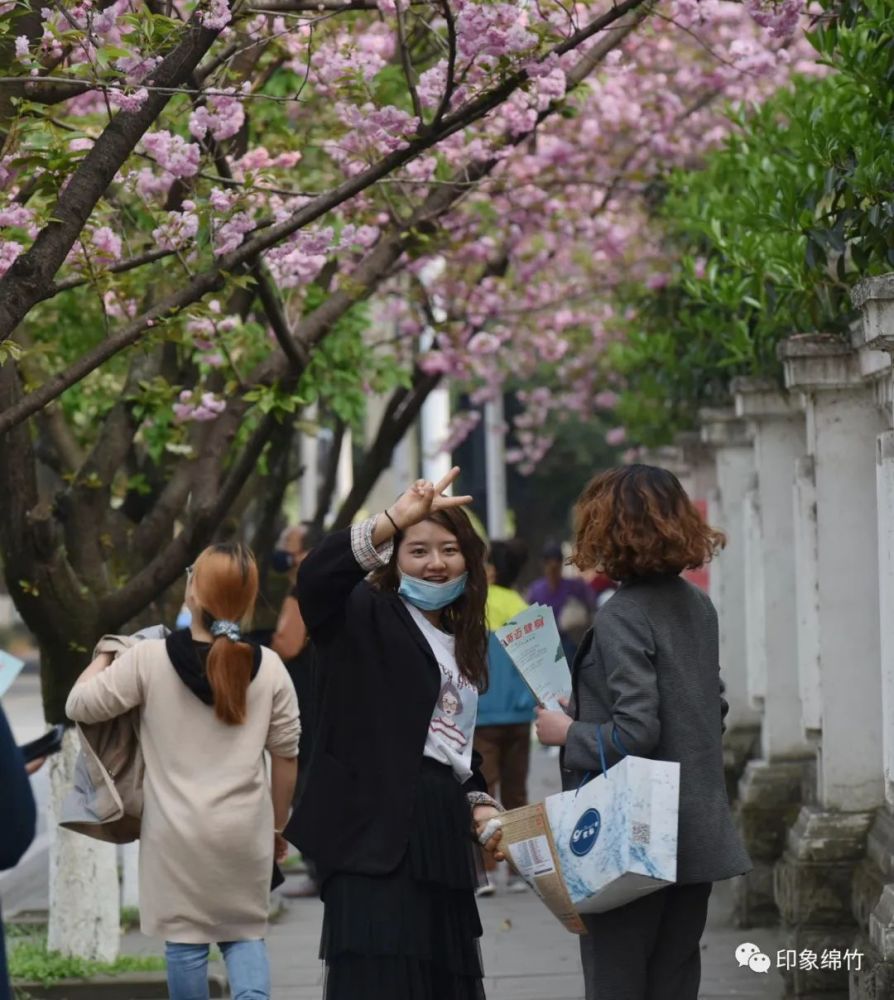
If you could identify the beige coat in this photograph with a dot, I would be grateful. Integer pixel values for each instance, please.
(206, 840)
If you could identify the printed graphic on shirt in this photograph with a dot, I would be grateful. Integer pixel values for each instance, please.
(452, 725)
(443, 723)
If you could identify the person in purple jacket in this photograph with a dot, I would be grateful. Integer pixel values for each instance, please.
(556, 590)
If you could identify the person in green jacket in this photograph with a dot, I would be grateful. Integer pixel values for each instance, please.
(506, 709)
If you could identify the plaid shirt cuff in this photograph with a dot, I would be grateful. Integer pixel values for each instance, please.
(483, 799)
(367, 555)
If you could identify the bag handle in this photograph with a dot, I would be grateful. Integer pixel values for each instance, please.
(600, 744)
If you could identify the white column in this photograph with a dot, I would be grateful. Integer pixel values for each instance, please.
(84, 896)
(495, 462)
(435, 424)
(129, 857)
(810, 681)
(885, 494)
(875, 298)
(344, 479)
(778, 429)
(755, 599)
(842, 424)
(310, 476)
(735, 469)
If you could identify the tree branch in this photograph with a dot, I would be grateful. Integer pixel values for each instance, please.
(407, 63)
(402, 410)
(450, 82)
(170, 563)
(150, 257)
(330, 475)
(294, 350)
(23, 284)
(248, 251)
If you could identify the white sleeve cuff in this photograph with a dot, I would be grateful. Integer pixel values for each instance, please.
(367, 555)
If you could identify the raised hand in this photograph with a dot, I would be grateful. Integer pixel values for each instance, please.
(424, 497)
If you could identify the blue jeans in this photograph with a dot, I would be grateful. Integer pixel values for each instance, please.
(247, 970)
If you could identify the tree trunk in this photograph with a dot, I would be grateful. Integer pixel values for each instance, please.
(400, 414)
(84, 911)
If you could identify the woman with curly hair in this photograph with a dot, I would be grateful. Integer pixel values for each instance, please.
(647, 680)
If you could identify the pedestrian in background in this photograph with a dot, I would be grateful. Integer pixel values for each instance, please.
(506, 709)
(394, 790)
(647, 679)
(572, 601)
(18, 819)
(292, 643)
(210, 705)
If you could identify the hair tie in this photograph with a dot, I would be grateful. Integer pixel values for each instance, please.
(231, 630)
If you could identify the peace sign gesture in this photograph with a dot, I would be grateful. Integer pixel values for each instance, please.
(423, 498)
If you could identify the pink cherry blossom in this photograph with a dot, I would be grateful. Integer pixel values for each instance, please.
(130, 102)
(178, 229)
(223, 116)
(173, 153)
(232, 232)
(107, 244)
(9, 250)
(199, 409)
(215, 15)
(616, 436)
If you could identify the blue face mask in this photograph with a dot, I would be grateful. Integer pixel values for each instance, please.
(428, 596)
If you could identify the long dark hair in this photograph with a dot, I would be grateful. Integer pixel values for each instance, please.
(464, 618)
(226, 586)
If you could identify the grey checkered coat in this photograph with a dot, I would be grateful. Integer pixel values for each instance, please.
(647, 675)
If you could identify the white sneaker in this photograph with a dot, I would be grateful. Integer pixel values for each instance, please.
(488, 889)
(516, 885)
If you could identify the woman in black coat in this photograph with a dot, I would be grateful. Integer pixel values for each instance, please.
(646, 679)
(392, 789)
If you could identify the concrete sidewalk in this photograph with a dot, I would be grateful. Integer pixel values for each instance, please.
(528, 955)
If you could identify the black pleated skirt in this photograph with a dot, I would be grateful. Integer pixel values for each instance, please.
(412, 934)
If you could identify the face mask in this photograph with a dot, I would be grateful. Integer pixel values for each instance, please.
(428, 596)
(281, 561)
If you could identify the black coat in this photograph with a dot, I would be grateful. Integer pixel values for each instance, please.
(18, 819)
(381, 684)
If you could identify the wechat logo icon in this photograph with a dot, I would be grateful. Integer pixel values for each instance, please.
(750, 955)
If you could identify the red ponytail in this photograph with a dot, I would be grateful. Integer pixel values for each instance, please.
(226, 586)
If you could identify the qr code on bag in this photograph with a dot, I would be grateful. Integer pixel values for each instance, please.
(639, 833)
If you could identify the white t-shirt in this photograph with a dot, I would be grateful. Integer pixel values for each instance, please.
(452, 727)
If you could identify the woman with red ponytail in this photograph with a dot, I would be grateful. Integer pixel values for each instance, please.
(210, 705)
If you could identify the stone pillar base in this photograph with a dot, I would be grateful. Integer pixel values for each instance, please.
(875, 981)
(740, 744)
(770, 798)
(873, 904)
(813, 888)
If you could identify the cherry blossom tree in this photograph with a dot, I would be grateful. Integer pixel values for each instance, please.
(198, 202)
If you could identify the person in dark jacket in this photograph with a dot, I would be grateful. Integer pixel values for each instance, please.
(394, 788)
(18, 820)
(647, 677)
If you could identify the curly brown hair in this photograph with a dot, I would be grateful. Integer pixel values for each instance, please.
(464, 618)
(637, 521)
